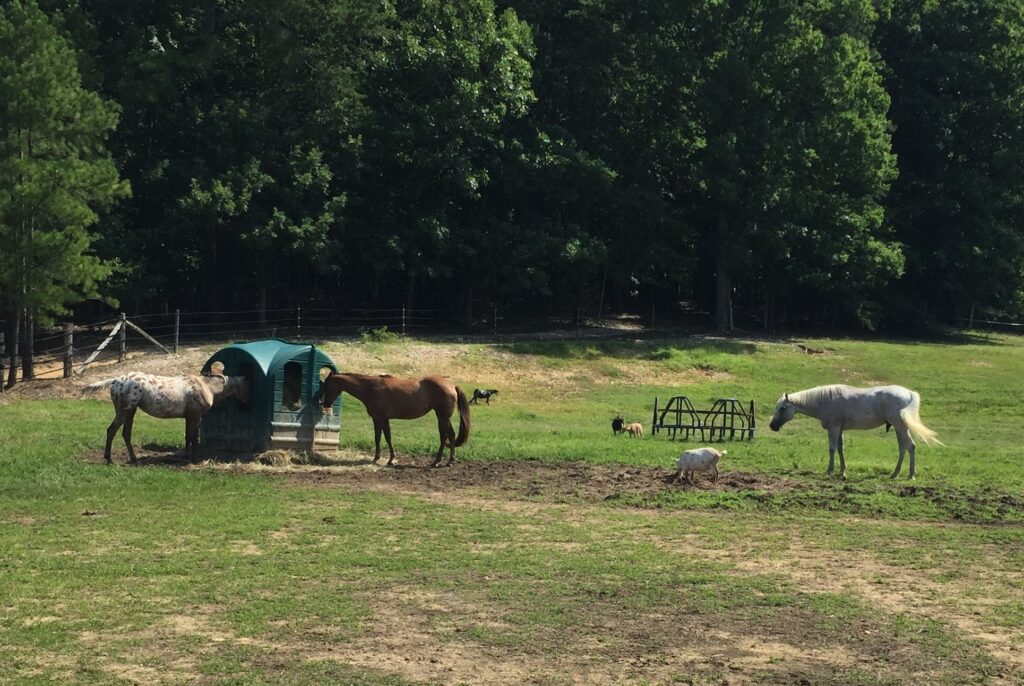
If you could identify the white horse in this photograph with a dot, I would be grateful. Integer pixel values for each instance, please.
(842, 407)
(166, 397)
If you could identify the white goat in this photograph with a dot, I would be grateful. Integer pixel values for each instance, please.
(699, 460)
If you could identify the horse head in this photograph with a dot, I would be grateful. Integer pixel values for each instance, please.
(784, 411)
(326, 394)
(242, 389)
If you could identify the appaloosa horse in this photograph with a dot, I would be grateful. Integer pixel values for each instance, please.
(166, 397)
(841, 407)
(389, 397)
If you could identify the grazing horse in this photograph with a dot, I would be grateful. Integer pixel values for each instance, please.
(166, 397)
(389, 397)
(840, 407)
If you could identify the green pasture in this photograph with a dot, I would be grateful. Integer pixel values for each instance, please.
(161, 575)
(969, 388)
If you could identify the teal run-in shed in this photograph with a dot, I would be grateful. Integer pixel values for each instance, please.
(283, 411)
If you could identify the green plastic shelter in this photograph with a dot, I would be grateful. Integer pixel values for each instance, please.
(283, 412)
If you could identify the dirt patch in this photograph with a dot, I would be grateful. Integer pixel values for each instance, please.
(535, 480)
(189, 361)
(442, 637)
(522, 479)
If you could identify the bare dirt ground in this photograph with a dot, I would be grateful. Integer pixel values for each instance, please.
(189, 361)
(522, 479)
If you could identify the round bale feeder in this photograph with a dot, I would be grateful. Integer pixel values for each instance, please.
(283, 412)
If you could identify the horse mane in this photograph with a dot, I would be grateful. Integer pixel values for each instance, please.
(816, 395)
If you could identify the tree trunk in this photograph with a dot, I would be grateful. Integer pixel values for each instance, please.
(410, 290)
(723, 278)
(12, 369)
(469, 302)
(28, 371)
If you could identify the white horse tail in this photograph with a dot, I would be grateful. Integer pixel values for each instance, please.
(98, 386)
(912, 419)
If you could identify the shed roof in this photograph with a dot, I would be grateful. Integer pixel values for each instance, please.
(271, 354)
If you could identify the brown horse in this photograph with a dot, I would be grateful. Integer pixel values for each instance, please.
(389, 397)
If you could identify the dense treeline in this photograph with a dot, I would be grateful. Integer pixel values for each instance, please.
(838, 162)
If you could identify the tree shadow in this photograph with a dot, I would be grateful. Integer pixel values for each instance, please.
(628, 349)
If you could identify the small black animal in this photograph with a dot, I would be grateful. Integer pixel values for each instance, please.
(482, 395)
(617, 425)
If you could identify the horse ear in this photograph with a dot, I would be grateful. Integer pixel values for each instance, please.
(787, 397)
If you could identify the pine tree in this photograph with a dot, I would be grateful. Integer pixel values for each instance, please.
(55, 174)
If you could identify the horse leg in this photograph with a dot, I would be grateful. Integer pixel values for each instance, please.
(192, 435)
(912, 449)
(715, 477)
(119, 418)
(901, 437)
(842, 455)
(387, 437)
(833, 439)
(446, 433)
(377, 428)
(126, 433)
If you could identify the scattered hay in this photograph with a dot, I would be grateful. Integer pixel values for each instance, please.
(280, 460)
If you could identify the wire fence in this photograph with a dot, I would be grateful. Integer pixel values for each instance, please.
(59, 352)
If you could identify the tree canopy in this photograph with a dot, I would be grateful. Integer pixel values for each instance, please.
(843, 163)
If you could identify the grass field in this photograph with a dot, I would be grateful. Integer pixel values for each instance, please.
(553, 552)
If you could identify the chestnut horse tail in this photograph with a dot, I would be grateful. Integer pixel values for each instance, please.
(464, 422)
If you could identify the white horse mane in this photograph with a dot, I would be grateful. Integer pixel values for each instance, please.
(813, 396)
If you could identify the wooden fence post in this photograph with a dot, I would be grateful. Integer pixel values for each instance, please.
(298, 322)
(69, 338)
(123, 341)
(403, 320)
(177, 328)
(3, 353)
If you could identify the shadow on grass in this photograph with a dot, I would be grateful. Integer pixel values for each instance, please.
(627, 349)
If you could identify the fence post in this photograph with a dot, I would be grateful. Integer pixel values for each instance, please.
(123, 339)
(298, 322)
(3, 353)
(403, 320)
(970, 323)
(494, 320)
(69, 339)
(177, 328)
